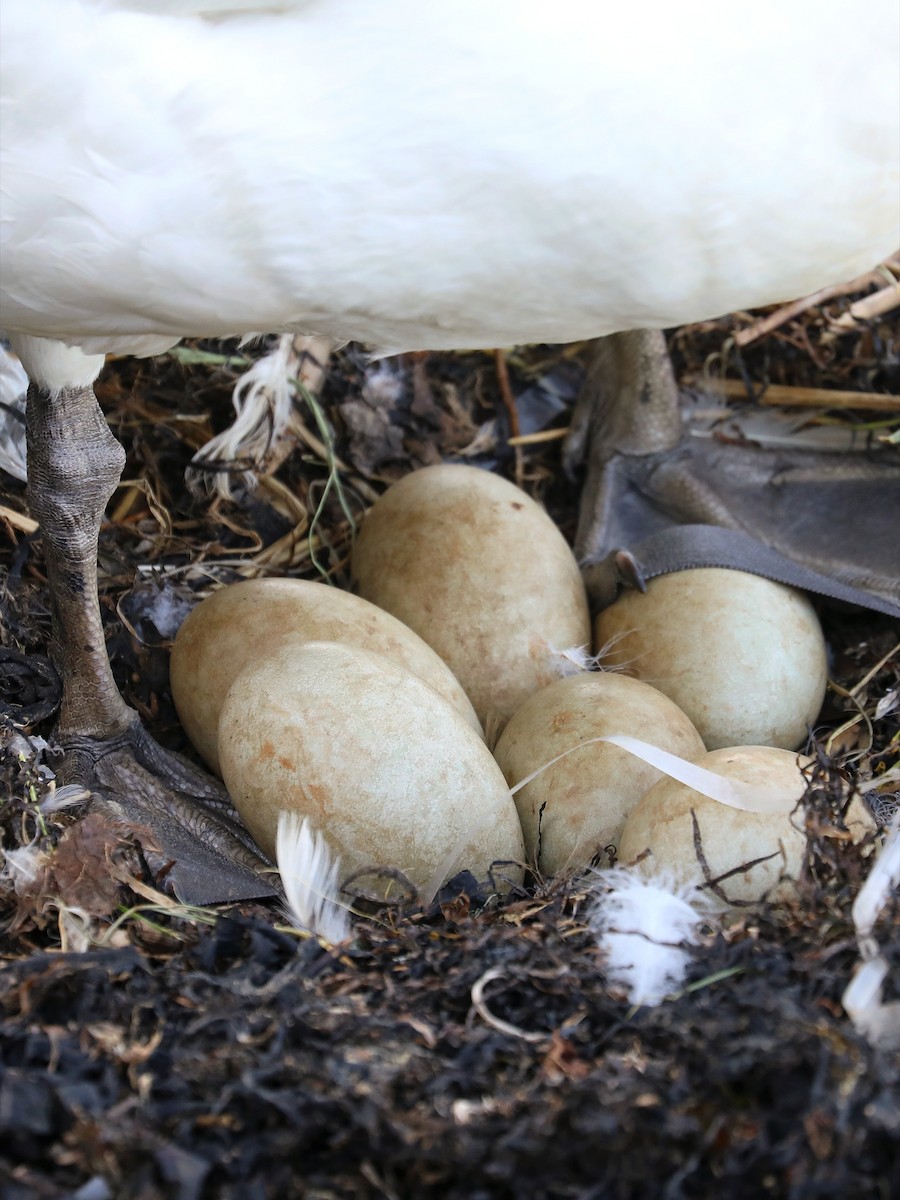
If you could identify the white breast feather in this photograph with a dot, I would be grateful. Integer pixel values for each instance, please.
(451, 175)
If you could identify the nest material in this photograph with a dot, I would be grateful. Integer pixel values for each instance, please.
(472, 1050)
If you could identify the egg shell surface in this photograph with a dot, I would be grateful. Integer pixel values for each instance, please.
(381, 765)
(482, 573)
(744, 657)
(578, 805)
(243, 623)
(663, 824)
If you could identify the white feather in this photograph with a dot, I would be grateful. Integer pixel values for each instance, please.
(21, 865)
(311, 878)
(60, 799)
(862, 998)
(572, 660)
(263, 399)
(748, 797)
(13, 387)
(644, 928)
(881, 884)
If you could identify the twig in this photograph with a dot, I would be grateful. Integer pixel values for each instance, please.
(486, 1015)
(786, 396)
(879, 304)
(512, 411)
(535, 439)
(18, 520)
(788, 311)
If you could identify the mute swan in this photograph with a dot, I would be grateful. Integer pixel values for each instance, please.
(409, 175)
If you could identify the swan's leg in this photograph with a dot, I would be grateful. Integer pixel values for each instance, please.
(627, 408)
(74, 464)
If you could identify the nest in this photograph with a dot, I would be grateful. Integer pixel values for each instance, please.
(474, 1047)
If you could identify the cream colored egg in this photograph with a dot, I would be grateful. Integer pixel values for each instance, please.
(725, 839)
(744, 657)
(242, 624)
(481, 572)
(381, 764)
(578, 805)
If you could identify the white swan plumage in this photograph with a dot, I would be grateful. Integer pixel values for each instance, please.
(436, 176)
